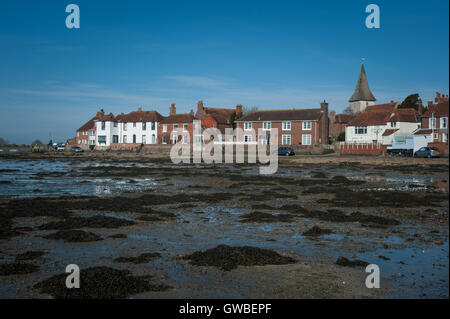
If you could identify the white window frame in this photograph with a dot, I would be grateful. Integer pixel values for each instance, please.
(359, 128)
(184, 139)
(185, 127)
(124, 139)
(443, 120)
(165, 128)
(247, 126)
(285, 138)
(307, 125)
(305, 139)
(248, 138)
(124, 126)
(175, 127)
(393, 124)
(432, 122)
(267, 126)
(287, 125)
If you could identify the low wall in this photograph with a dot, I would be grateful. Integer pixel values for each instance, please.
(363, 149)
(442, 147)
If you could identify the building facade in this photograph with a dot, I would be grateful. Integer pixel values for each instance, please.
(295, 127)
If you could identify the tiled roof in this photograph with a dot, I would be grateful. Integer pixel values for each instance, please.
(383, 115)
(427, 131)
(440, 109)
(344, 118)
(221, 115)
(381, 107)
(140, 116)
(284, 115)
(178, 118)
(106, 117)
(389, 132)
(88, 126)
(369, 118)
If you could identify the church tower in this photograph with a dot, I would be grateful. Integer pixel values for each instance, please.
(362, 97)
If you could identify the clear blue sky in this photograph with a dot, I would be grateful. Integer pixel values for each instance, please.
(270, 54)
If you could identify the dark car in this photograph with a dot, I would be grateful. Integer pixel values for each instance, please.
(427, 152)
(286, 151)
(76, 149)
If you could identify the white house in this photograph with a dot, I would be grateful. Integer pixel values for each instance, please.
(138, 127)
(379, 124)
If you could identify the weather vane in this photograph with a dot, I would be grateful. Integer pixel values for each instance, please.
(362, 60)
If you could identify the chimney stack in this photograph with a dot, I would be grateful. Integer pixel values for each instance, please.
(420, 107)
(332, 116)
(324, 123)
(200, 106)
(238, 109)
(173, 109)
(191, 112)
(139, 109)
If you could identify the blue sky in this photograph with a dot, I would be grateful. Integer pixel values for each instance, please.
(269, 54)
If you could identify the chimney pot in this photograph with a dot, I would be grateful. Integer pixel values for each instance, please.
(173, 109)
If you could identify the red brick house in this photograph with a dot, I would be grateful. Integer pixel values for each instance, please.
(181, 123)
(434, 126)
(86, 135)
(338, 122)
(295, 127)
(219, 118)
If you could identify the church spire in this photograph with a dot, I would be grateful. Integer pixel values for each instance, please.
(362, 91)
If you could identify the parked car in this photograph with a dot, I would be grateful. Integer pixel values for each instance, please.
(60, 148)
(76, 149)
(286, 151)
(427, 152)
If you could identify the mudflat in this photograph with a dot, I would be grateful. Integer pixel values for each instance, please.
(201, 231)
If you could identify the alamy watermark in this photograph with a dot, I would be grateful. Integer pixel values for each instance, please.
(212, 147)
(73, 19)
(73, 280)
(373, 280)
(373, 19)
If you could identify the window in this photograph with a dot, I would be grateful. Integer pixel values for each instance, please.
(267, 125)
(184, 139)
(153, 126)
(359, 130)
(144, 139)
(92, 132)
(103, 125)
(153, 139)
(134, 138)
(164, 127)
(124, 126)
(264, 139)
(115, 124)
(199, 139)
(306, 125)
(144, 126)
(247, 126)
(124, 139)
(134, 124)
(175, 127)
(286, 139)
(393, 124)
(432, 122)
(287, 126)
(164, 139)
(115, 138)
(444, 122)
(175, 139)
(444, 137)
(102, 139)
(436, 136)
(247, 138)
(185, 127)
(306, 139)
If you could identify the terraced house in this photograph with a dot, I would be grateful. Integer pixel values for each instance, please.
(434, 126)
(303, 127)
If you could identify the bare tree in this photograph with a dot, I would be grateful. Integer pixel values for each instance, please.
(249, 109)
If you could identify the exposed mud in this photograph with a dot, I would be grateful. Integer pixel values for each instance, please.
(99, 283)
(228, 258)
(342, 261)
(142, 258)
(87, 222)
(317, 231)
(74, 236)
(30, 255)
(260, 217)
(17, 269)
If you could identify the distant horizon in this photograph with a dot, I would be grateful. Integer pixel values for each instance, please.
(270, 55)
